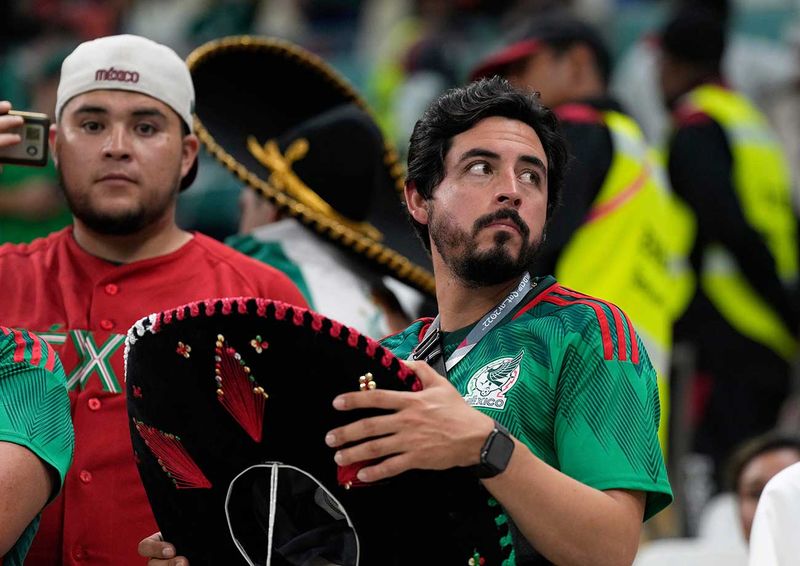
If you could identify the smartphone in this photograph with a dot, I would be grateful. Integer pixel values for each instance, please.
(32, 150)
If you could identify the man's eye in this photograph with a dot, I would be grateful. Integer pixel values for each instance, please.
(480, 168)
(530, 177)
(90, 126)
(145, 129)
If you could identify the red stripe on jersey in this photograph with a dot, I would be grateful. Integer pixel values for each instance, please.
(36, 350)
(619, 315)
(535, 301)
(634, 342)
(50, 364)
(622, 353)
(605, 332)
(19, 350)
(621, 198)
(5, 330)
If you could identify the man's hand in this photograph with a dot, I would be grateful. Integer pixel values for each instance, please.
(160, 553)
(432, 429)
(8, 123)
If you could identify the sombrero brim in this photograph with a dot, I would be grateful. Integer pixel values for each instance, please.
(190, 446)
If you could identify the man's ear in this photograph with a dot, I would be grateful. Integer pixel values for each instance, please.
(416, 203)
(52, 137)
(191, 146)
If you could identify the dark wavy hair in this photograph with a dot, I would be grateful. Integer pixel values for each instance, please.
(458, 110)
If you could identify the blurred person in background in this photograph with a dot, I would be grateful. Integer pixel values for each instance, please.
(752, 464)
(321, 200)
(725, 162)
(755, 65)
(333, 283)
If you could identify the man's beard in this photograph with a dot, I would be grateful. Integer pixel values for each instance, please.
(496, 265)
(124, 223)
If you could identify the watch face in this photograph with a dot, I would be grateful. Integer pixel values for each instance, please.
(496, 452)
(500, 450)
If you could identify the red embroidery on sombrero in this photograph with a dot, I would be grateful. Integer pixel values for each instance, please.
(227, 306)
(352, 338)
(346, 475)
(173, 458)
(316, 321)
(238, 390)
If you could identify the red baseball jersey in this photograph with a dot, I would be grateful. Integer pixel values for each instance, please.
(83, 306)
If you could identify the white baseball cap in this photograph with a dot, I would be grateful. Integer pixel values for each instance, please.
(128, 62)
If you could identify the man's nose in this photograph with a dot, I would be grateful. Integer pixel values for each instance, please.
(508, 191)
(117, 143)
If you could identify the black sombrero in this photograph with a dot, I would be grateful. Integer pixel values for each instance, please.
(229, 401)
(291, 127)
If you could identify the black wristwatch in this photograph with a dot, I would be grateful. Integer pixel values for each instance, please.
(496, 452)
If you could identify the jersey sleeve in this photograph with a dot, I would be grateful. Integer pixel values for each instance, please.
(34, 404)
(607, 410)
(403, 343)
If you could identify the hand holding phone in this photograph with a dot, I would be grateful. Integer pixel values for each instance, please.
(23, 137)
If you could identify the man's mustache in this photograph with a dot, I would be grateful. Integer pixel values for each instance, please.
(503, 214)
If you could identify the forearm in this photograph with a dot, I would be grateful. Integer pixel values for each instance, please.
(567, 521)
(25, 485)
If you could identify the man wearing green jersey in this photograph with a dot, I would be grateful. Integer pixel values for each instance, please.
(547, 393)
(36, 437)
(563, 373)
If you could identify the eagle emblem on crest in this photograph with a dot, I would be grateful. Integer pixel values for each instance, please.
(487, 386)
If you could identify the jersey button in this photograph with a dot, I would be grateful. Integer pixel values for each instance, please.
(85, 476)
(94, 404)
(106, 324)
(111, 289)
(77, 553)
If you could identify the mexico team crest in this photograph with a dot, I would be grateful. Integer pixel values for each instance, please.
(488, 386)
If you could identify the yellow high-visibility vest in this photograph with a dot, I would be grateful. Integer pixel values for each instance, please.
(762, 182)
(632, 248)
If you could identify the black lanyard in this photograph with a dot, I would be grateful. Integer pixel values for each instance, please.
(431, 347)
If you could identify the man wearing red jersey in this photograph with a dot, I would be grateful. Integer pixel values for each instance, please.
(124, 150)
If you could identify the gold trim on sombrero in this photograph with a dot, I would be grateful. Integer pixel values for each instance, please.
(284, 179)
(336, 230)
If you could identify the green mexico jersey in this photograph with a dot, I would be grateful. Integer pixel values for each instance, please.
(34, 412)
(568, 376)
